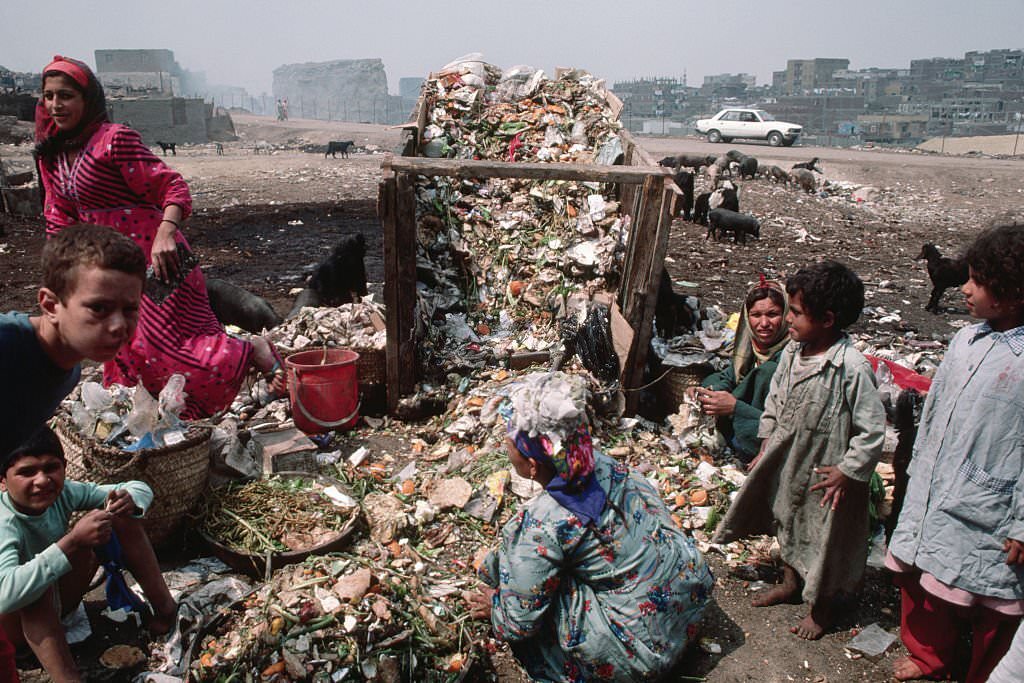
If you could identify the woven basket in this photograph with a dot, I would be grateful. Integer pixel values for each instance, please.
(672, 387)
(372, 366)
(177, 474)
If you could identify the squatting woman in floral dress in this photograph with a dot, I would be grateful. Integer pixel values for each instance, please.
(592, 581)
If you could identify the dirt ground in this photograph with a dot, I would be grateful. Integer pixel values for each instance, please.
(262, 221)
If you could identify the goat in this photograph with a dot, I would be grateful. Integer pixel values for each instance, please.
(804, 178)
(672, 315)
(338, 279)
(701, 206)
(684, 180)
(262, 147)
(811, 165)
(164, 146)
(694, 161)
(335, 146)
(741, 225)
(775, 174)
(725, 197)
(943, 272)
(748, 167)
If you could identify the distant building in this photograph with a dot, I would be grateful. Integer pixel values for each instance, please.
(727, 85)
(340, 90)
(804, 76)
(653, 98)
(893, 128)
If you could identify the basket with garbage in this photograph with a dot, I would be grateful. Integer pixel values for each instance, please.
(121, 433)
(277, 520)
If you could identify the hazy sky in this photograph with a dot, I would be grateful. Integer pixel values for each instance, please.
(240, 43)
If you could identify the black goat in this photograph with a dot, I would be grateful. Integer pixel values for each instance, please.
(811, 165)
(338, 279)
(701, 206)
(173, 146)
(943, 272)
(672, 316)
(684, 181)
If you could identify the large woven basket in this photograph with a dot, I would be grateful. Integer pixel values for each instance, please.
(672, 387)
(372, 365)
(177, 474)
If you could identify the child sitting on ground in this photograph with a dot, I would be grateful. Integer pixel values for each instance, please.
(958, 549)
(45, 569)
(822, 430)
(89, 301)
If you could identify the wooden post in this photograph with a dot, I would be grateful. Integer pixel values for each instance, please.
(396, 207)
(405, 250)
(473, 168)
(645, 258)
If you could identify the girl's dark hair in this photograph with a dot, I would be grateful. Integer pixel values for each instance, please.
(755, 295)
(95, 113)
(43, 441)
(997, 260)
(829, 286)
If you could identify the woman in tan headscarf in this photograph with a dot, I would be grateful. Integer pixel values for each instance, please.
(736, 394)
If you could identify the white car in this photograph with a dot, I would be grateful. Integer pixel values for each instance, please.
(748, 123)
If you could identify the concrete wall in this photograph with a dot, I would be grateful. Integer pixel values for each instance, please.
(128, 81)
(340, 90)
(166, 119)
(113, 61)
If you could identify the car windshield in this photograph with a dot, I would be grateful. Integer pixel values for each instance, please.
(765, 116)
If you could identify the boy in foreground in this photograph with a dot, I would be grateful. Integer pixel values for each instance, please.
(89, 302)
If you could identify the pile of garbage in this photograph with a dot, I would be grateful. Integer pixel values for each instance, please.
(356, 325)
(341, 617)
(501, 262)
(129, 417)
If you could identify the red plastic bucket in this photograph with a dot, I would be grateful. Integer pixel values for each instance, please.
(324, 389)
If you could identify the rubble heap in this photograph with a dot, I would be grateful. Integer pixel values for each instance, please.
(500, 262)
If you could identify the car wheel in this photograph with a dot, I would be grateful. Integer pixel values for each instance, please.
(775, 138)
(714, 136)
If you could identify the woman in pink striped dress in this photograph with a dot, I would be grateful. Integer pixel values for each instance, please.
(94, 171)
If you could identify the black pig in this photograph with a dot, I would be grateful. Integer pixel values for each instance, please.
(235, 306)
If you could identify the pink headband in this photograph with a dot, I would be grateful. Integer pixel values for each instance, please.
(76, 72)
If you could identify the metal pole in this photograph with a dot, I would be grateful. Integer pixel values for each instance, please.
(1016, 139)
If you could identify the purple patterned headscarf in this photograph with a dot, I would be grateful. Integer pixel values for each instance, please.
(547, 421)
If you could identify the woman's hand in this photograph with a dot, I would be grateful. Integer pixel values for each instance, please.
(164, 253)
(834, 484)
(1014, 550)
(716, 403)
(479, 602)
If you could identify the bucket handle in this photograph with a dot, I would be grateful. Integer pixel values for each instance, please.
(320, 423)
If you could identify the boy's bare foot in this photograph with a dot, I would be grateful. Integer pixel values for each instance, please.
(783, 593)
(814, 624)
(160, 623)
(808, 629)
(904, 669)
(787, 591)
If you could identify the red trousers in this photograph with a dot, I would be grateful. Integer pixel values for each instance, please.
(930, 628)
(8, 669)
